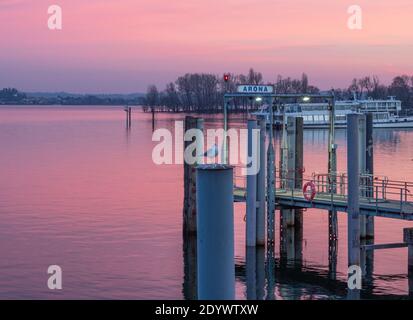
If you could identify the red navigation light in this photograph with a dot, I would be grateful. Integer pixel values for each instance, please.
(226, 77)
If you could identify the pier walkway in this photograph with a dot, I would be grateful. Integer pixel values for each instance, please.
(391, 199)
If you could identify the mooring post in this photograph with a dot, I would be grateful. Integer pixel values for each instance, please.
(353, 211)
(153, 118)
(362, 169)
(261, 192)
(271, 181)
(408, 238)
(189, 210)
(260, 258)
(215, 243)
(130, 116)
(288, 214)
(251, 273)
(370, 171)
(251, 221)
(189, 286)
(127, 117)
(299, 171)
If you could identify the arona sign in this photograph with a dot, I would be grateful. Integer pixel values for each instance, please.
(257, 89)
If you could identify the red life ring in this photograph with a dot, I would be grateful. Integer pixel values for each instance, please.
(309, 191)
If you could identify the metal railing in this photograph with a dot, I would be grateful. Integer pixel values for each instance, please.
(373, 188)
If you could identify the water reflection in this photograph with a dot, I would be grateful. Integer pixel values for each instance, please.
(189, 286)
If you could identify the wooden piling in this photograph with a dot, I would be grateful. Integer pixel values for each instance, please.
(189, 207)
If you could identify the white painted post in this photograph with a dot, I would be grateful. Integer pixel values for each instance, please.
(251, 225)
(261, 192)
(215, 243)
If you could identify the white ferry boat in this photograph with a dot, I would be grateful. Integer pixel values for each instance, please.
(316, 115)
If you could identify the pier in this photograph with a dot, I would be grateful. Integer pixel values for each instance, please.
(283, 185)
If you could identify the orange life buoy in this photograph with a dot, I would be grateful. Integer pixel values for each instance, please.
(309, 191)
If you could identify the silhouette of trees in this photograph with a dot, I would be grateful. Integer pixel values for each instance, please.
(201, 92)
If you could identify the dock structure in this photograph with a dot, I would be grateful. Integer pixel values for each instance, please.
(380, 205)
(360, 193)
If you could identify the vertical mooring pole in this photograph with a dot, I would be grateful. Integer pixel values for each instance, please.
(271, 182)
(288, 214)
(189, 210)
(130, 116)
(215, 243)
(251, 225)
(251, 273)
(353, 211)
(299, 170)
(261, 186)
(260, 269)
(408, 238)
(153, 118)
(362, 169)
(370, 171)
(332, 171)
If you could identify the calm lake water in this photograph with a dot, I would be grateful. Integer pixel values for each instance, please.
(80, 191)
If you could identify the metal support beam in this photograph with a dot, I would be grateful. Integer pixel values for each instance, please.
(383, 246)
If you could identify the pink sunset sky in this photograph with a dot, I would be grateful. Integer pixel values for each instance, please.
(124, 45)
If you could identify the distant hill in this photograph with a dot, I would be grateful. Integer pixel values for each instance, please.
(11, 96)
(62, 94)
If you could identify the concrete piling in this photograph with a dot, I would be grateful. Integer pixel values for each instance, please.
(215, 243)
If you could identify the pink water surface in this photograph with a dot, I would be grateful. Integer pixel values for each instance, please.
(80, 191)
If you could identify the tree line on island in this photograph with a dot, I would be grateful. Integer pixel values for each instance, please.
(201, 92)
